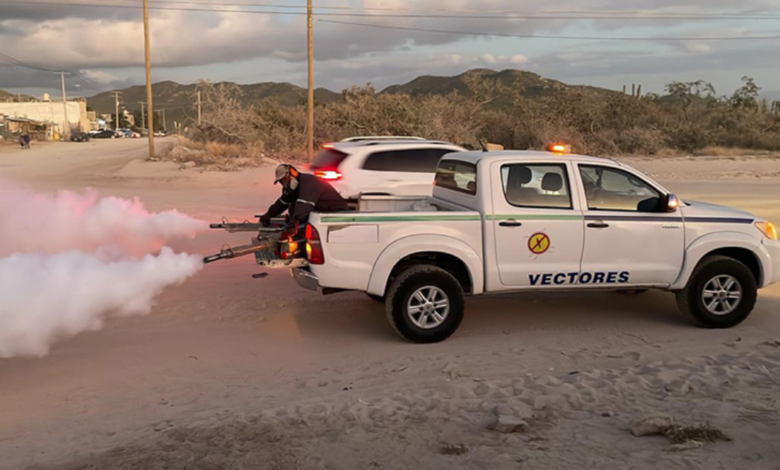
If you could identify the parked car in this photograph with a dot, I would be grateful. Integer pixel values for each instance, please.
(79, 137)
(105, 134)
(536, 221)
(381, 167)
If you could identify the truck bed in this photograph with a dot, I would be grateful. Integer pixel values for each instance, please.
(355, 242)
(403, 204)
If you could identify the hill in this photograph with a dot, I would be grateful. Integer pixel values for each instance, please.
(526, 84)
(179, 100)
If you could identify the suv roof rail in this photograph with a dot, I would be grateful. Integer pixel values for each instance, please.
(381, 137)
(406, 142)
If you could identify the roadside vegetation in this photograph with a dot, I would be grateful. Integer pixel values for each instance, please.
(691, 118)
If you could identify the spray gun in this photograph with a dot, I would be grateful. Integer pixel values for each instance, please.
(267, 247)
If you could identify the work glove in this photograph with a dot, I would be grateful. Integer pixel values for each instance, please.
(265, 220)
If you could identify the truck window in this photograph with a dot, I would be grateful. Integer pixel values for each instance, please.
(610, 189)
(407, 161)
(536, 186)
(457, 176)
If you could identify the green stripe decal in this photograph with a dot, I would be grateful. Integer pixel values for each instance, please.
(442, 218)
(534, 217)
(401, 218)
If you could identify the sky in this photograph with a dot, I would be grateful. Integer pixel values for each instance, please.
(101, 42)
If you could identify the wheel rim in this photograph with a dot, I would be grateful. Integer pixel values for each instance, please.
(428, 307)
(722, 295)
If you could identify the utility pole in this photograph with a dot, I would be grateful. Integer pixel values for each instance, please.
(66, 127)
(310, 41)
(164, 124)
(116, 105)
(200, 119)
(143, 118)
(148, 60)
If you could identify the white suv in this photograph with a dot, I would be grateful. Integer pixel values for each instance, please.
(381, 167)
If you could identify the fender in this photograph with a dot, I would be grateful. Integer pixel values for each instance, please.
(708, 243)
(412, 244)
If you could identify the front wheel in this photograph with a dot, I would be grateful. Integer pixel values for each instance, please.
(425, 304)
(720, 294)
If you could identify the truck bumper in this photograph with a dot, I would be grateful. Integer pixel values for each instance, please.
(769, 253)
(305, 278)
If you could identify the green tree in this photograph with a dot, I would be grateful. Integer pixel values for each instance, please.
(687, 92)
(746, 96)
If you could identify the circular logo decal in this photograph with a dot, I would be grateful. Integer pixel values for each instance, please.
(538, 243)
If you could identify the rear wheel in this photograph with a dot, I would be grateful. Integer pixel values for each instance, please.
(425, 304)
(720, 294)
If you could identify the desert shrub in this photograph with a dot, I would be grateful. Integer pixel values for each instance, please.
(688, 119)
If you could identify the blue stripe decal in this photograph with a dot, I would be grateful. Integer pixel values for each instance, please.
(699, 220)
(633, 218)
(718, 220)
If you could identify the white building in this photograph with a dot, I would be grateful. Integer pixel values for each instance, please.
(50, 112)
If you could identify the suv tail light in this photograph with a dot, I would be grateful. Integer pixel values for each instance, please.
(330, 175)
(313, 246)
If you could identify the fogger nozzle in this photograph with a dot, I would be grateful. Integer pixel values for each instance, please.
(243, 250)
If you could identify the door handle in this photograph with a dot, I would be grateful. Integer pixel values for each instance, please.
(510, 223)
(598, 225)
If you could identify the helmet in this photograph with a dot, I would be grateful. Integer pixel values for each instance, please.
(284, 170)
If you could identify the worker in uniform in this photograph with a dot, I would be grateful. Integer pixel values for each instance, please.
(301, 194)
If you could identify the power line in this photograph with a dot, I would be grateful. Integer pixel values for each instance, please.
(642, 14)
(13, 61)
(219, 8)
(538, 36)
(76, 75)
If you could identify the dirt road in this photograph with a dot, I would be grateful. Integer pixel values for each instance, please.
(232, 372)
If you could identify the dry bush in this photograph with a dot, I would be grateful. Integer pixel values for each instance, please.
(690, 119)
(215, 155)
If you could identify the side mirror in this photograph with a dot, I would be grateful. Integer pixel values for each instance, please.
(672, 203)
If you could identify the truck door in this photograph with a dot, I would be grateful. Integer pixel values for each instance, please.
(629, 237)
(537, 225)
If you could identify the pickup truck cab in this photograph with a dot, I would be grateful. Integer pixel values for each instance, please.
(520, 220)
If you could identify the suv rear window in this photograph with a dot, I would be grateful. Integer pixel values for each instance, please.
(407, 161)
(328, 159)
(457, 176)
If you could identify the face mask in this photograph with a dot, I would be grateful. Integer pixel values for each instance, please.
(293, 184)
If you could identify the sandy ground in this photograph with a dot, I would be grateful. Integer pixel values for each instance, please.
(232, 372)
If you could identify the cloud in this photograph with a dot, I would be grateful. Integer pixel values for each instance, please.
(105, 40)
(91, 37)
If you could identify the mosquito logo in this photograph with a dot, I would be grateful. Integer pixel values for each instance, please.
(538, 243)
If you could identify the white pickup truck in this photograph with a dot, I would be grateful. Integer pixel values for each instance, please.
(521, 220)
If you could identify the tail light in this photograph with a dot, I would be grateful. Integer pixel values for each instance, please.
(313, 246)
(330, 175)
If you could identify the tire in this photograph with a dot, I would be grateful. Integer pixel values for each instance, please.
(433, 283)
(376, 298)
(691, 300)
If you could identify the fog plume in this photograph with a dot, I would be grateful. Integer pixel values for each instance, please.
(68, 261)
(33, 222)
